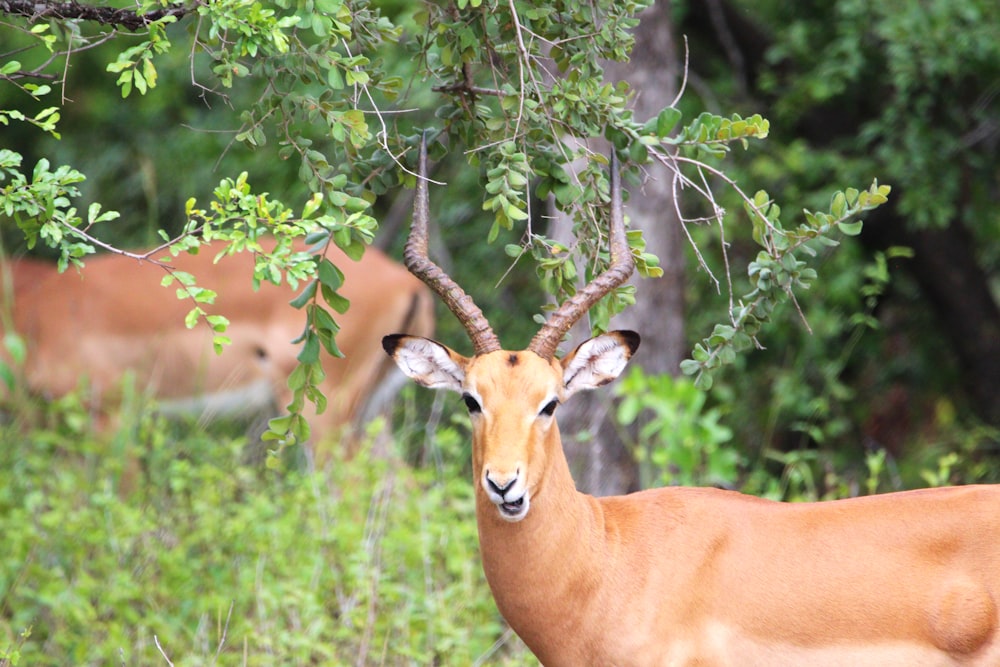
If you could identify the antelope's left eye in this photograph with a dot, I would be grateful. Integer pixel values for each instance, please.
(550, 407)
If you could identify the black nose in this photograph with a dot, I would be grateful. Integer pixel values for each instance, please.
(499, 490)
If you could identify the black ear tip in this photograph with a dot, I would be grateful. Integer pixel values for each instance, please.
(391, 342)
(631, 339)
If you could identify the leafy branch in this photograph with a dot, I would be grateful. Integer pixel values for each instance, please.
(777, 271)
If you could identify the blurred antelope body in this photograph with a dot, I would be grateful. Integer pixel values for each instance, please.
(689, 576)
(114, 317)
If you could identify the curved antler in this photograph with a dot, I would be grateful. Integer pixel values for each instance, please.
(416, 260)
(546, 341)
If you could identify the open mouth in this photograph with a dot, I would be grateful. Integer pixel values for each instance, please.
(513, 510)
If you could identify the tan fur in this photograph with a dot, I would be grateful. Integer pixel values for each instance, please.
(115, 316)
(691, 576)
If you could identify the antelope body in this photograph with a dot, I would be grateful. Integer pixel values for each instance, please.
(691, 576)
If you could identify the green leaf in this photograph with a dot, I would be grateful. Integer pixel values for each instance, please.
(322, 320)
(219, 323)
(666, 121)
(15, 347)
(334, 79)
(306, 295)
(690, 367)
(515, 213)
(191, 319)
(277, 427)
(339, 303)
(838, 205)
(139, 79)
(312, 205)
(309, 354)
(220, 342)
(329, 275)
(850, 228)
(703, 381)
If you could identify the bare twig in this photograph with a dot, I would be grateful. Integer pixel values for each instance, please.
(225, 631)
(466, 87)
(156, 640)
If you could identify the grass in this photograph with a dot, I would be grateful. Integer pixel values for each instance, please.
(148, 548)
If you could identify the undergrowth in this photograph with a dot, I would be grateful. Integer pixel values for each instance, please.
(148, 549)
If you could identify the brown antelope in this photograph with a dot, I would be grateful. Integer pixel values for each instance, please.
(692, 576)
(114, 316)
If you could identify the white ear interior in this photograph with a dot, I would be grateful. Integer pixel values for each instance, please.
(595, 362)
(429, 363)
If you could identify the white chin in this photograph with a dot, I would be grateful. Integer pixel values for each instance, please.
(513, 513)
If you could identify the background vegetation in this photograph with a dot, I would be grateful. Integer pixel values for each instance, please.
(154, 549)
(153, 545)
(900, 355)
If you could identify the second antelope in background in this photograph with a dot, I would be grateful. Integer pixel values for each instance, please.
(113, 318)
(685, 576)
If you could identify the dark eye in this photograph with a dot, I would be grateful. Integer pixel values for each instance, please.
(472, 404)
(550, 407)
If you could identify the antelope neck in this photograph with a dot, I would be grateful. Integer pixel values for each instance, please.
(532, 563)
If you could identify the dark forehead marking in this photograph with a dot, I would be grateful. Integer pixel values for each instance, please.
(513, 359)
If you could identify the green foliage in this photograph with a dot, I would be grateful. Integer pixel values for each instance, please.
(904, 91)
(15, 352)
(925, 69)
(41, 206)
(681, 441)
(150, 547)
(777, 271)
(709, 134)
(45, 119)
(134, 65)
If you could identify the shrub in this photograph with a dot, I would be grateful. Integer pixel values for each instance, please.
(146, 548)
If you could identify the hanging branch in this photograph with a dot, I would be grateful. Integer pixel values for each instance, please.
(125, 18)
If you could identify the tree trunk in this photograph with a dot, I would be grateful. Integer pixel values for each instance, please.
(602, 462)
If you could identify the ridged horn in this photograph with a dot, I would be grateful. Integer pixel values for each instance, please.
(417, 261)
(622, 264)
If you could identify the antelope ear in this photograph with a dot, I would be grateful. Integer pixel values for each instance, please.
(426, 361)
(598, 361)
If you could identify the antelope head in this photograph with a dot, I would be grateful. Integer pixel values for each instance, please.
(512, 395)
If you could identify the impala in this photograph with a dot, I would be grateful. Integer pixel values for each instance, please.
(114, 316)
(692, 576)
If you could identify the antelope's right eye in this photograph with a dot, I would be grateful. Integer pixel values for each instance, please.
(472, 404)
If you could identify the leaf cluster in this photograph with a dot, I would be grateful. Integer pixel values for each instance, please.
(777, 271)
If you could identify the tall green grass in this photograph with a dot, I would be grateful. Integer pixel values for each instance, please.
(148, 548)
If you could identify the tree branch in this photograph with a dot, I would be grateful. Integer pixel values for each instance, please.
(124, 18)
